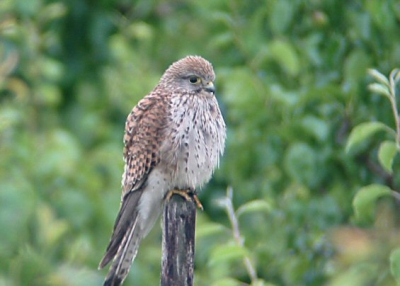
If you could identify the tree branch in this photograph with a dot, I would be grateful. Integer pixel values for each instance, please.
(227, 203)
(178, 241)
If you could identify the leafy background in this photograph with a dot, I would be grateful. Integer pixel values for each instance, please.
(292, 83)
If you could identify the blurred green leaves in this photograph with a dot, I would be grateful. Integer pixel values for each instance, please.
(301, 163)
(363, 131)
(395, 264)
(226, 253)
(386, 154)
(366, 198)
(285, 54)
(291, 82)
(253, 206)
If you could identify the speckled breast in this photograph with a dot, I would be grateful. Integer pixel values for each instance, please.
(196, 142)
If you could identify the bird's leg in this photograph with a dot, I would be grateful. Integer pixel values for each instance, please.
(193, 194)
(182, 193)
(188, 195)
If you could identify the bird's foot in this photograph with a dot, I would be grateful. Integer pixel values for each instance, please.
(196, 199)
(188, 195)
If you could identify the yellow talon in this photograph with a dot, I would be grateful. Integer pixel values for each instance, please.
(197, 201)
(188, 195)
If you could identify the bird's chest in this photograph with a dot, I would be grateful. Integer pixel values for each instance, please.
(195, 144)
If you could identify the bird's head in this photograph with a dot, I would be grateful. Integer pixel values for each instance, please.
(192, 74)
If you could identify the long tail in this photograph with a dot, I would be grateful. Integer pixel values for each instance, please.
(124, 242)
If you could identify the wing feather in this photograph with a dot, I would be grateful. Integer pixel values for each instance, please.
(143, 137)
(142, 140)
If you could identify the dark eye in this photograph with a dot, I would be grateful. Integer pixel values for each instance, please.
(194, 79)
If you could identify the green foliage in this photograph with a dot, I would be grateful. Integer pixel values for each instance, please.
(395, 263)
(386, 154)
(225, 253)
(365, 199)
(363, 131)
(291, 78)
(387, 150)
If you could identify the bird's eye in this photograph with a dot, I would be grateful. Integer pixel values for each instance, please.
(194, 79)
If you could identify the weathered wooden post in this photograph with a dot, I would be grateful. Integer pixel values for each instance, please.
(178, 243)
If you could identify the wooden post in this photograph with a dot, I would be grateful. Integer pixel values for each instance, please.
(178, 225)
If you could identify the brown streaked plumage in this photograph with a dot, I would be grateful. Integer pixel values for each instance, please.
(173, 139)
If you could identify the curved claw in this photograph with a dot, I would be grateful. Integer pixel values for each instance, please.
(188, 195)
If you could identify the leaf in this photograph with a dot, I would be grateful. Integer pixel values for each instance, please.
(227, 282)
(261, 282)
(364, 200)
(66, 274)
(387, 152)
(382, 14)
(362, 132)
(51, 228)
(300, 162)
(395, 264)
(280, 15)
(316, 127)
(209, 229)
(379, 89)
(225, 253)
(355, 65)
(286, 56)
(378, 76)
(254, 206)
(396, 75)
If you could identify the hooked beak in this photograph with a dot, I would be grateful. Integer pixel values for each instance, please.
(210, 87)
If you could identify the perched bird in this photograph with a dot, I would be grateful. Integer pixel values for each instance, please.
(173, 140)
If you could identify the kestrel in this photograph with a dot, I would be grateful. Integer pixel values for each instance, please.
(173, 140)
